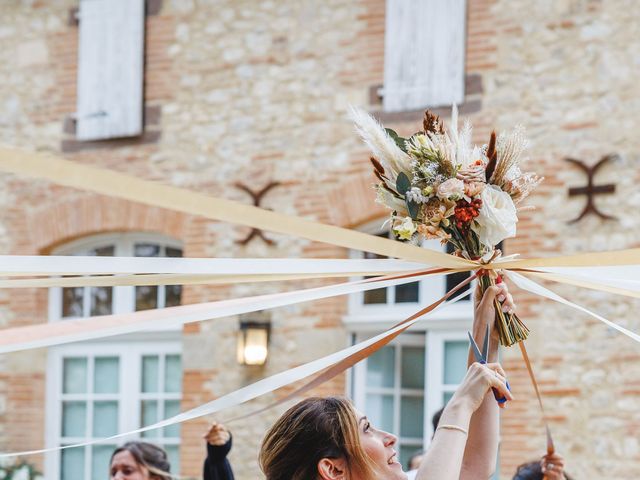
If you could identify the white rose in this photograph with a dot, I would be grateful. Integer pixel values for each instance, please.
(452, 189)
(498, 217)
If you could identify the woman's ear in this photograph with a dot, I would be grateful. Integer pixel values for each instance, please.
(332, 469)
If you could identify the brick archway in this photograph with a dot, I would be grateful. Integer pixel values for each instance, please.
(90, 214)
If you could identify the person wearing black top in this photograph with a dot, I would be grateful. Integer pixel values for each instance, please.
(216, 466)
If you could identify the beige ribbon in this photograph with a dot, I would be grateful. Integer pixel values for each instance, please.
(67, 331)
(108, 182)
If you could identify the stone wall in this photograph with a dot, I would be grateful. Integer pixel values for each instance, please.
(253, 92)
(566, 70)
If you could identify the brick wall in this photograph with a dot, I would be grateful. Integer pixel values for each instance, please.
(257, 91)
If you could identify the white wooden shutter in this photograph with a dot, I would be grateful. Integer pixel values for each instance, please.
(110, 69)
(424, 54)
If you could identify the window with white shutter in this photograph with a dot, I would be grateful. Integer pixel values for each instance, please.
(424, 63)
(110, 69)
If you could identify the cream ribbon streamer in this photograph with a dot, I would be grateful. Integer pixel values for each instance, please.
(67, 331)
(159, 279)
(108, 182)
(250, 392)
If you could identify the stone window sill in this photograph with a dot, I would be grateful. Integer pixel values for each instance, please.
(472, 104)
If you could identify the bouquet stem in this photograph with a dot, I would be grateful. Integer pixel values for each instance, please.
(510, 328)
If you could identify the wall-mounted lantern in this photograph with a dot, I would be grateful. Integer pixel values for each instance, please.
(253, 342)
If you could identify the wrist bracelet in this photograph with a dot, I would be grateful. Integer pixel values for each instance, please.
(453, 427)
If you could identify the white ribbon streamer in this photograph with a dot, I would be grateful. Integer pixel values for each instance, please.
(533, 287)
(67, 331)
(39, 265)
(626, 277)
(250, 392)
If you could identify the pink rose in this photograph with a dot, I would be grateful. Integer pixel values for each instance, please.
(452, 189)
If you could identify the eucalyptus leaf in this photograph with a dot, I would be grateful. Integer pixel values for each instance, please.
(413, 208)
(403, 185)
(400, 141)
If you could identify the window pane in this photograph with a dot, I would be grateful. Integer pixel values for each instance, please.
(379, 295)
(72, 302)
(455, 361)
(106, 251)
(381, 368)
(171, 409)
(380, 411)
(74, 419)
(412, 367)
(101, 301)
(74, 375)
(173, 452)
(173, 374)
(173, 252)
(146, 250)
(172, 295)
(101, 455)
(105, 419)
(454, 279)
(408, 293)
(150, 373)
(412, 417)
(106, 375)
(72, 464)
(146, 297)
(149, 416)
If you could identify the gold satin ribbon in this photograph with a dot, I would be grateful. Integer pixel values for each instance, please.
(527, 361)
(49, 167)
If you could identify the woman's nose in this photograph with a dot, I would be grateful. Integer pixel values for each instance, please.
(390, 439)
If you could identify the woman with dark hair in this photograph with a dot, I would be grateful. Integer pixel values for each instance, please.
(139, 461)
(145, 461)
(328, 439)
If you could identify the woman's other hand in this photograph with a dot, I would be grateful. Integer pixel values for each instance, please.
(553, 466)
(217, 435)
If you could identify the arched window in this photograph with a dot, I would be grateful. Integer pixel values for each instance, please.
(99, 388)
(74, 302)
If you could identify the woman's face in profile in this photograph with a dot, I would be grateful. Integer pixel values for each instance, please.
(125, 467)
(380, 447)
